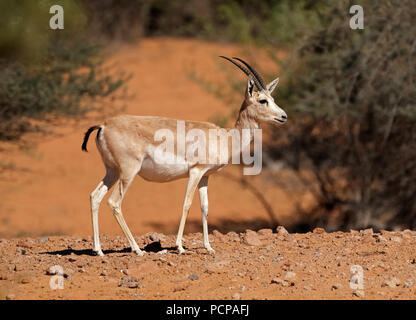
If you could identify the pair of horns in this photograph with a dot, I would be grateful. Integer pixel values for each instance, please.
(258, 81)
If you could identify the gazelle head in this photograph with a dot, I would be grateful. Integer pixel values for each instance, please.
(260, 104)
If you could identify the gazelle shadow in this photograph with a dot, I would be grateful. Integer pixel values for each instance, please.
(151, 247)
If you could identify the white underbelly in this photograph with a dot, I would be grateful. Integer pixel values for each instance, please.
(157, 172)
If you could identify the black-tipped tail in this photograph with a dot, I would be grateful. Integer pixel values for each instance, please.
(87, 135)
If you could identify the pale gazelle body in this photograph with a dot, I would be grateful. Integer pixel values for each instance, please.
(127, 147)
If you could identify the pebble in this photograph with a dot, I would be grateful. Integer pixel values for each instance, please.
(129, 282)
(236, 296)
(193, 277)
(391, 283)
(282, 282)
(337, 286)
(251, 238)
(318, 230)
(359, 294)
(307, 288)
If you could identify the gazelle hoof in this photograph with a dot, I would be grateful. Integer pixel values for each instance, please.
(181, 250)
(138, 252)
(210, 250)
(99, 252)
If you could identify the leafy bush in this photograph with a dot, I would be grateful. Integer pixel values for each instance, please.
(352, 132)
(46, 71)
(279, 21)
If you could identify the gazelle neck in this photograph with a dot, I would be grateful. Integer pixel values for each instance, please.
(245, 120)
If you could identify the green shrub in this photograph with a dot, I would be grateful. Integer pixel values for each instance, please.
(351, 101)
(46, 71)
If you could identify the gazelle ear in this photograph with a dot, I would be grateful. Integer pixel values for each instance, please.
(272, 85)
(250, 87)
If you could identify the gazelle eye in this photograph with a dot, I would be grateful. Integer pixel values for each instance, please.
(263, 101)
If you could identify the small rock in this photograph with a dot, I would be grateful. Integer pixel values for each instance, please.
(18, 268)
(154, 236)
(104, 273)
(277, 259)
(10, 297)
(236, 296)
(358, 293)
(25, 280)
(72, 259)
(3, 276)
(129, 282)
(391, 283)
(264, 232)
(396, 239)
(318, 230)
(289, 275)
(233, 236)
(408, 283)
(164, 251)
(307, 288)
(337, 286)
(44, 239)
(281, 231)
(251, 238)
(368, 231)
(281, 282)
(193, 277)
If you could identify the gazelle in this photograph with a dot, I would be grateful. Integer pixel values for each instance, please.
(127, 147)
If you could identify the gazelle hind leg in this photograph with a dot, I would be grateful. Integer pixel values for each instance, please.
(194, 177)
(203, 198)
(115, 201)
(95, 198)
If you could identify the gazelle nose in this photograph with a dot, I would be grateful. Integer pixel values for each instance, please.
(284, 116)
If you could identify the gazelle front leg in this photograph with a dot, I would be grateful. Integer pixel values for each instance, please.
(203, 198)
(194, 178)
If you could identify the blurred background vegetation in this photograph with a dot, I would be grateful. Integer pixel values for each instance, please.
(350, 94)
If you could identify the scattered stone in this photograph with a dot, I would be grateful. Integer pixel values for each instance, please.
(21, 251)
(359, 294)
(236, 296)
(408, 283)
(277, 259)
(44, 239)
(289, 275)
(164, 251)
(396, 239)
(381, 293)
(318, 230)
(216, 267)
(251, 238)
(18, 267)
(265, 232)
(233, 236)
(24, 280)
(72, 259)
(10, 297)
(129, 282)
(281, 282)
(368, 231)
(158, 237)
(337, 286)
(194, 277)
(281, 232)
(391, 283)
(307, 288)
(104, 273)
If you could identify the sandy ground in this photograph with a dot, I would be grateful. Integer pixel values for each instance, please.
(250, 265)
(45, 218)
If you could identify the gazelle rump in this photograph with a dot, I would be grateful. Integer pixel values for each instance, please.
(127, 147)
